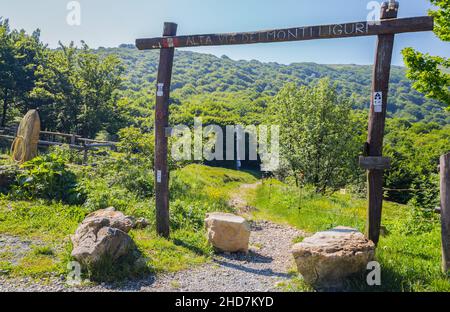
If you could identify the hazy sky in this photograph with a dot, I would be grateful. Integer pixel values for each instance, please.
(109, 23)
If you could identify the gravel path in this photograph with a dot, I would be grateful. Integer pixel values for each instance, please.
(13, 249)
(267, 264)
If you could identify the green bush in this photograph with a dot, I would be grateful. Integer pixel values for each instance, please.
(128, 172)
(67, 154)
(100, 195)
(47, 177)
(133, 141)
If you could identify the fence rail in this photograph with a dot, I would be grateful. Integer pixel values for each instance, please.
(84, 144)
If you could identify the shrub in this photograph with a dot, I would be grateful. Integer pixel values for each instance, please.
(47, 177)
(7, 177)
(130, 172)
(67, 154)
(133, 141)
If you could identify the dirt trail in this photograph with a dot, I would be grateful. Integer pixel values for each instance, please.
(262, 269)
(238, 198)
(266, 265)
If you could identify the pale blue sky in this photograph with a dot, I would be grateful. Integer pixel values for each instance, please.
(109, 23)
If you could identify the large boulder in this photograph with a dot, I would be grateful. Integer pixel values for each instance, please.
(227, 232)
(326, 258)
(103, 234)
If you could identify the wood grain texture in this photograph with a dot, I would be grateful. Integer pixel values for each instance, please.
(380, 83)
(445, 211)
(387, 25)
(161, 141)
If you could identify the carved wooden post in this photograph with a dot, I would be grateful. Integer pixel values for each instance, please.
(445, 212)
(378, 107)
(161, 123)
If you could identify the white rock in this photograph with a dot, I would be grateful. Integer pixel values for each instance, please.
(227, 232)
(326, 258)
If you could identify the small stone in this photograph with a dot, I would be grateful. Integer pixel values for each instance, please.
(141, 223)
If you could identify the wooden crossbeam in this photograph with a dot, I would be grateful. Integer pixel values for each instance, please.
(356, 29)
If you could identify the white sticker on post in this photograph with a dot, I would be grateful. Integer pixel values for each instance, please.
(378, 102)
(160, 91)
(158, 176)
(170, 43)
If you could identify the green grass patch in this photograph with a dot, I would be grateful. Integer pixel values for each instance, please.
(183, 250)
(306, 210)
(50, 222)
(43, 251)
(36, 266)
(409, 261)
(196, 190)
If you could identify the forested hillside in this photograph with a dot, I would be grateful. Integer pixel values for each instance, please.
(244, 86)
(53, 200)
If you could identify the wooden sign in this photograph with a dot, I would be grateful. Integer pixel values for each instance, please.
(356, 29)
(375, 163)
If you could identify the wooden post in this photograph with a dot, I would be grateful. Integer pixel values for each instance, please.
(445, 212)
(377, 117)
(85, 154)
(73, 139)
(161, 142)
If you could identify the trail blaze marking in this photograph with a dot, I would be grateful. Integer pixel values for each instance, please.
(160, 91)
(158, 176)
(378, 102)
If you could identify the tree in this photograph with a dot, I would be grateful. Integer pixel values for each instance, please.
(99, 79)
(55, 92)
(20, 55)
(76, 91)
(431, 74)
(7, 67)
(318, 136)
(415, 149)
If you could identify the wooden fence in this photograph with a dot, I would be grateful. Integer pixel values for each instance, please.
(73, 141)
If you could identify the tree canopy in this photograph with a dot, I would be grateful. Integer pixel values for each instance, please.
(431, 74)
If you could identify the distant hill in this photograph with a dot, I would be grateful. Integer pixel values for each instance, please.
(197, 74)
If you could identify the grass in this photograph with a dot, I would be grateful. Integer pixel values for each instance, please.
(409, 261)
(196, 190)
(312, 212)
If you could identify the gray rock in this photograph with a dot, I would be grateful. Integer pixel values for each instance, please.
(326, 258)
(102, 234)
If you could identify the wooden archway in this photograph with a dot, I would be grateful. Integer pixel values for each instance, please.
(372, 161)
